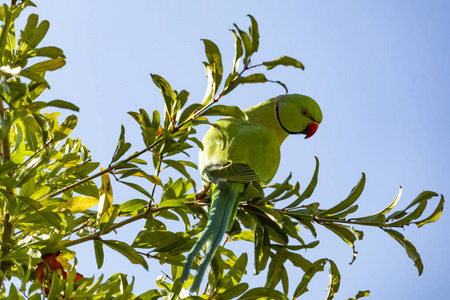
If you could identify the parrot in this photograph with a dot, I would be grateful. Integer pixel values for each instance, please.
(243, 151)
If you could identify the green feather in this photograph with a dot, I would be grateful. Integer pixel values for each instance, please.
(250, 155)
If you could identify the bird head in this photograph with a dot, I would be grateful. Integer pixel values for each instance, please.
(298, 114)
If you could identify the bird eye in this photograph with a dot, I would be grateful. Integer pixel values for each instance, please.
(305, 112)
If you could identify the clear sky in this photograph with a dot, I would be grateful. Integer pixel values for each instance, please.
(379, 70)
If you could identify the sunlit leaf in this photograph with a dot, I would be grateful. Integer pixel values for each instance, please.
(105, 196)
(215, 61)
(285, 61)
(80, 204)
(224, 110)
(263, 294)
(434, 215)
(335, 280)
(254, 33)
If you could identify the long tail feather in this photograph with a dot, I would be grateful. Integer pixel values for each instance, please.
(222, 208)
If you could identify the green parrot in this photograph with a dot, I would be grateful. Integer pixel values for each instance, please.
(251, 155)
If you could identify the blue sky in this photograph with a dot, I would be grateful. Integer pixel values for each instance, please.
(379, 70)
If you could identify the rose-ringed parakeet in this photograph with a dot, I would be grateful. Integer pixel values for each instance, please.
(251, 154)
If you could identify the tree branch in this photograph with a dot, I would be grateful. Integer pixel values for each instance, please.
(5, 247)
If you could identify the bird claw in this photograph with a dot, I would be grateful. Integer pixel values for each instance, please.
(202, 194)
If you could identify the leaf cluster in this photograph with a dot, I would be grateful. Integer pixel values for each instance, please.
(48, 193)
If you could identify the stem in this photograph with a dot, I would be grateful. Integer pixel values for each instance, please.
(158, 171)
(143, 215)
(5, 246)
(97, 234)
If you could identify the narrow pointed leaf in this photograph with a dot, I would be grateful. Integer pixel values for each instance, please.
(310, 189)
(285, 61)
(303, 285)
(224, 110)
(410, 249)
(239, 51)
(48, 65)
(352, 197)
(276, 268)
(99, 255)
(254, 33)
(127, 251)
(335, 280)
(434, 216)
(263, 294)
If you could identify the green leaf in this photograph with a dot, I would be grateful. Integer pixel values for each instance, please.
(263, 294)
(262, 249)
(303, 285)
(352, 197)
(133, 207)
(79, 204)
(392, 205)
(248, 45)
(299, 261)
(410, 249)
(48, 65)
(361, 294)
(335, 280)
(276, 268)
(215, 61)
(434, 216)
(127, 251)
(188, 112)
(343, 232)
(5, 30)
(224, 110)
(254, 33)
(179, 166)
(105, 196)
(238, 53)
(236, 272)
(233, 291)
(173, 203)
(278, 191)
(50, 52)
(253, 78)
(374, 220)
(285, 61)
(122, 146)
(63, 104)
(45, 214)
(65, 128)
(99, 255)
(416, 213)
(138, 188)
(310, 189)
(166, 91)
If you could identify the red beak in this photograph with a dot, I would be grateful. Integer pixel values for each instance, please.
(311, 129)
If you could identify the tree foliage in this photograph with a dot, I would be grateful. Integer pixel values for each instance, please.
(48, 194)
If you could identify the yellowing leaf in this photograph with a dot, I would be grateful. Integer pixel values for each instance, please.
(80, 204)
(105, 196)
(152, 178)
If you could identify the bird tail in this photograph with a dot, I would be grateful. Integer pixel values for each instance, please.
(224, 206)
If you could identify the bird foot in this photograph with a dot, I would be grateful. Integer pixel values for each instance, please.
(202, 194)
